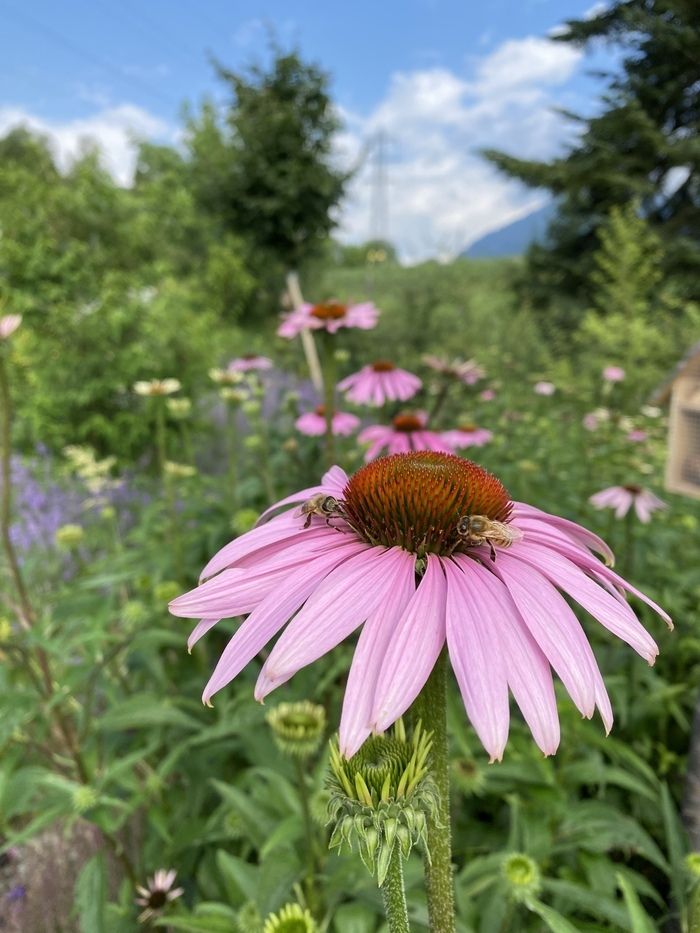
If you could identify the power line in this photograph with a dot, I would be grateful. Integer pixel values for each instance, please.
(30, 22)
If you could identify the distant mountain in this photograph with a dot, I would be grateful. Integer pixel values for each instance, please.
(513, 239)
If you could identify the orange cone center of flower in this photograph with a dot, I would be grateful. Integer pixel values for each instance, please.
(635, 490)
(415, 500)
(329, 311)
(320, 410)
(408, 423)
(383, 366)
(468, 428)
(249, 356)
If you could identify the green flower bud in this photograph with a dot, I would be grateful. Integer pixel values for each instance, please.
(84, 798)
(248, 919)
(134, 612)
(297, 727)
(179, 470)
(341, 356)
(234, 396)
(318, 806)
(379, 798)
(252, 442)
(243, 520)
(6, 631)
(291, 919)
(166, 591)
(521, 875)
(692, 863)
(468, 776)
(179, 407)
(69, 536)
(109, 513)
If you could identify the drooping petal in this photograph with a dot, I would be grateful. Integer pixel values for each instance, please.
(576, 532)
(343, 601)
(372, 645)
(527, 669)
(617, 617)
(272, 613)
(554, 627)
(476, 659)
(283, 526)
(414, 649)
(200, 629)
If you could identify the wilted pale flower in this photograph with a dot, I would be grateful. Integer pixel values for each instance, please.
(157, 894)
(329, 316)
(232, 395)
(651, 411)
(467, 371)
(467, 435)
(590, 421)
(636, 436)
(9, 324)
(504, 621)
(488, 395)
(545, 388)
(179, 470)
(157, 387)
(226, 377)
(406, 432)
(313, 423)
(248, 363)
(622, 498)
(179, 407)
(378, 383)
(613, 374)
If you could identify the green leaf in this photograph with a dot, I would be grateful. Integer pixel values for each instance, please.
(593, 902)
(91, 896)
(240, 877)
(641, 921)
(144, 711)
(555, 921)
(677, 847)
(354, 918)
(286, 832)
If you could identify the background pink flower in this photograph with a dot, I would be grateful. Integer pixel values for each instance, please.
(504, 621)
(613, 374)
(313, 423)
(248, 362)
(590, 421)
(378, 383)
(545, 388)
(330, 316)
(637, 436)
(622, 498)
(488, 395)
(468, 435)
(467, 371)
(9, 324)
(406, 432)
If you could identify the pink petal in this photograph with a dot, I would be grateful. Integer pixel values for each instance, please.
(527, 669)
(554, 627)
(477, 660)
(414, 649)
(200, 629)
(345, 600)
(269, 617)
(372, 645)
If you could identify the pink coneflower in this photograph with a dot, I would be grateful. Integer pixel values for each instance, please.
(9, 324)
(378, 383)
(467, 371)
(545, 388)
(157, 894)
(488, 395)
(467, 435)
(330, 316)
(249, 362)
(622, 498)
(420, 516)
(613, 374)
(313, 423)
(406, 432)
(636, 436)
(590, 421)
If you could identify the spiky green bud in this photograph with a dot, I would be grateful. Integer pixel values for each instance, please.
(468, 776)
(84, 798)
(297, 727)
(521, 875)
(69, 536)
(290, 919)
(379, 798)
(248, 919)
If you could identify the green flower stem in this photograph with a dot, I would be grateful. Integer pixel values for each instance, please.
(329, 377)
(440, 399)
(431, 708)
(161, 444)
(231, 410)
(309, 840)
(394, 895)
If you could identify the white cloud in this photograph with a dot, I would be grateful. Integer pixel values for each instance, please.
(440, 194)
(114, 130)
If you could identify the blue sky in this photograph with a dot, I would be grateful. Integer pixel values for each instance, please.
(438, 78)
